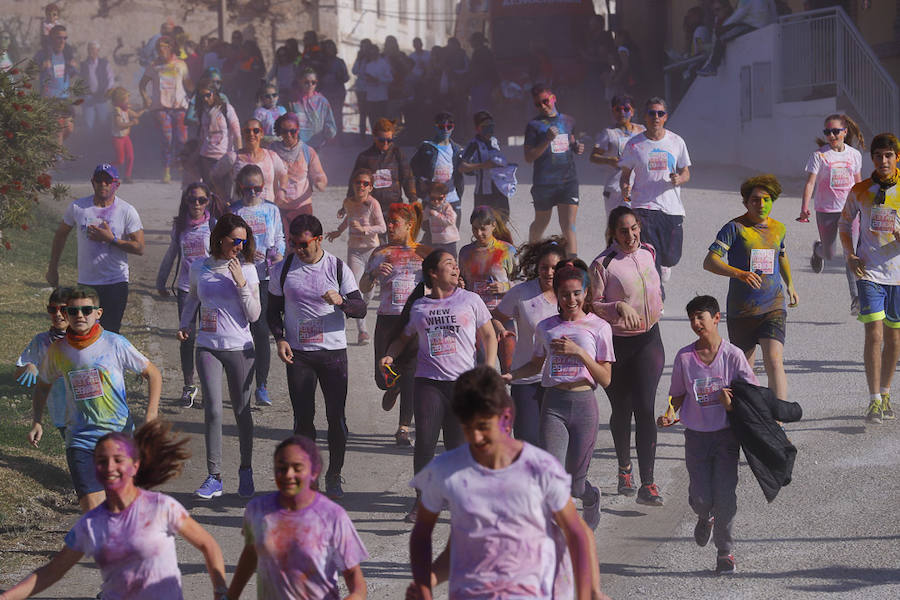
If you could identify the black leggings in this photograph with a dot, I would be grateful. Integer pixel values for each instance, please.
(329, 369)
(386, 330)
(113, 298)
(433, 413)
(635, 376)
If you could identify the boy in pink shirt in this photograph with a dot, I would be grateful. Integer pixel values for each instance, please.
(440, 220)
(701, 375)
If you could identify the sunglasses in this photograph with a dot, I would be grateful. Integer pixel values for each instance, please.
(656, 113)
(305, 245)
(622, 108)
(310, 82)
(105, 179)
(445, 126)
(256, 189)
(268, 96)
(236, 241)
(254, 130)
(289, 131)
(385, 140)
(362, 182)
(835, 132)
(52, 310)
(198, 199)
(390, 376)
(206, 95)
(84, 310)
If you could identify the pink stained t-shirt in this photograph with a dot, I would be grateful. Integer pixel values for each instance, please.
(835, 175)
(446, 329)
(226, 310)
(271, 165)
(406, 274)
(590, 332)
(300, 553)
(368, 221)
(501, 522)
(135, 549)
(700, 384)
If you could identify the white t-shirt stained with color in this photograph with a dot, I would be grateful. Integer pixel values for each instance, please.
(100, 263)
(501, 521)
(310, 323)
(223, 323)
(653, 162)
(590, 332)
(526, 304)
(835, 175)
(446, 330)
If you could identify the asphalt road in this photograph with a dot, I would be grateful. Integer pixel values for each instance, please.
(832, 532)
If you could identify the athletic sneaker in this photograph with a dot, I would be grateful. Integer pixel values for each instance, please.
(333, 487)
(188, 393)
(413, 513)
(887, 411)
(591, 512)
(262, 396)
(402, 437)
(648, 495)
(626, 485)
(362, 338)
(702, 530)
(854, 307)
(245, 485)
(815, 261)
(725, 564)
(873, 413)
(390, 398)
(211, 488)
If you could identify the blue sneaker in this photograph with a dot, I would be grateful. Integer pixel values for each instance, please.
(211, 488)
(262, 396)
(245, 483)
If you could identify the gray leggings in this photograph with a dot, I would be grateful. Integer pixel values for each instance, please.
(238, 368)
(186, 348)
(828, 235)
(569, 422)
(527, 400)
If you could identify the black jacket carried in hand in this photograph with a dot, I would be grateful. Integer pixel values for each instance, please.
(753, 415)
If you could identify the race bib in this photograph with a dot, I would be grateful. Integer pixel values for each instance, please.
(400, 291)
(209, 319)
(481, 288)
(707, 390)
(563, 365)
(840, 177)
(59, 70)
(312, 331)
(560, 143)
(441, 342)
(883, 219)
(193, 247)
(762, 261)
(658, 161)
(382, 178)
(442, 173)
(85, 384)
(257, 223)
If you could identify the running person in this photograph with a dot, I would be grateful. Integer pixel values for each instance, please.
(93, 362)
(397, 267)
(448, 324)
(310, 293)
(661, 165)
(551, 145)
(290, 565)
(875, 262)
(219, 128)
(627, 294)
(304, 170)
(108, 230)
(438, 160)
(480, 158)
(264, 219)
(573, 352)
(131, 535)
(527, 304)
(362, 215)
(226, 170)
(749, 250)
(831, 171)
(224, 287)
(197, 214)
(487, 264)
(32, 356)
(610, 146)
(506, 498)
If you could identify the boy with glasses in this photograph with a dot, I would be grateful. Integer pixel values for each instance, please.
(93, 362)
(108, 230)
(551, 145)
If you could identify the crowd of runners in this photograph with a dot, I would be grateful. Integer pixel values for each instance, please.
(455, 326)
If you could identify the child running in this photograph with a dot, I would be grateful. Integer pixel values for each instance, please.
(441, 232)
(574, 352)
(123, 119)
(504, 496)
(93, 362)
(131, 535)
(488, 262)
(701, 375)
(268, 111)
(33, 355)
(362, 215)
(297, 540)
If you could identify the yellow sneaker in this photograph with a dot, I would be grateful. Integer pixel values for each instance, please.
(887, 411)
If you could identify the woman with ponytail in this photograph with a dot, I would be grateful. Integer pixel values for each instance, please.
(832, 170)
(397, 267)
(131, 534)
